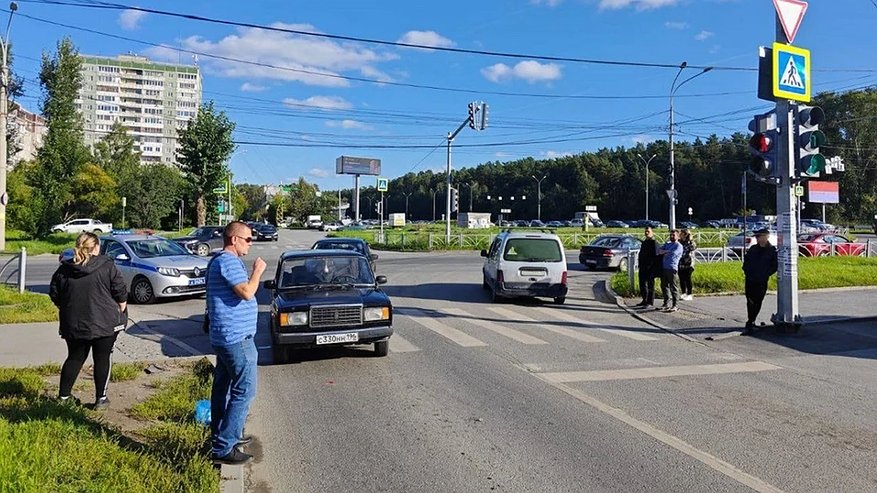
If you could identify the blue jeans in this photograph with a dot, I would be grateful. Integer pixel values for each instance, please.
(234, 386)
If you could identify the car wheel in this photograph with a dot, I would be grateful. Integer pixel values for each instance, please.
(280, 354)
(484, 284)
(591, 267)
(382, 348)
(277, 239)
(559, 300)
(57, 231)
(142, 292)
(97, 231)
(622, 264)
(203, 250)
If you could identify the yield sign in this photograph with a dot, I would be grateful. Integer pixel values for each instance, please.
(791, 14)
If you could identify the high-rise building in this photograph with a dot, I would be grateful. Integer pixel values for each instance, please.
(28, 130)
(150, 99)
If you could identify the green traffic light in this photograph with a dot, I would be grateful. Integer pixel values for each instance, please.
(817, 139)
(815, 164)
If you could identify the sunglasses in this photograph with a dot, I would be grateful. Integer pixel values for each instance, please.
(248, 240)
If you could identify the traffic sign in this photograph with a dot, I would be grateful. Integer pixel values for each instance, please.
(383, 184)
(799, 191)
(221, 190)
(791, 72)
(791, 13)
(590, 208)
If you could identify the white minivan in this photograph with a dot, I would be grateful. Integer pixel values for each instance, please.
(525, 264)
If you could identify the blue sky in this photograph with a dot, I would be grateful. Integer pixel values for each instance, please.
(309, 112)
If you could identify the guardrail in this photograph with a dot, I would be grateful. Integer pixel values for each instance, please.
(19, 264)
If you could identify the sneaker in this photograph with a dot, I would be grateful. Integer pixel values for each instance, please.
(672, 309)
(69, 400)
(233, 458)
(102, 403)
(245, 440)
(662, 308)
(687, 297)
(641, 304)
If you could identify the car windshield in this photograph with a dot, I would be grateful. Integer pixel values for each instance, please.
(532, 250)
(197, 232)
(310, 271)
(156, 247)
(608, 242)
(339, 245)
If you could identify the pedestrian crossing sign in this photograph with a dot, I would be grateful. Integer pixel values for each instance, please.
(791, 72)
(383, 184)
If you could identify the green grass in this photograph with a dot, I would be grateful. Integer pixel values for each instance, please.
(122, 372)
(813, 273)
(175, 399)
(25, 307)
(54, 243)
(66, 448)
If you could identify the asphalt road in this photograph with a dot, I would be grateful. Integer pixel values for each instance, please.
(529, 396)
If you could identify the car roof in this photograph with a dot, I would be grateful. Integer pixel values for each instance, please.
(340, 240)
(132, 237)
(319, 253)
(529, 234)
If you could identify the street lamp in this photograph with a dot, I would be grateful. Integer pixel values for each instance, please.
(539, 196)
(433, 202)
(673, 89)
(647, 163)
(406, 203)
(4, 85)
(371, 201)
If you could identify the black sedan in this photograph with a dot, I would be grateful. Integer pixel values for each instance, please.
(203, 240)
(265, 232)
(327, 298)
(357, 245)
(608, 252)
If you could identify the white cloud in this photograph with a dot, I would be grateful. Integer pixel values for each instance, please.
(641, 139)
(318, 173)
(329, 103)
(312, 61)
(348, 125)
(556, 154)
(678, 26)
(528, 70)
(715, 49)
(638, 4)
(250, 87)
(426, 38)
(550, 3)
(704, 35)
(504, 155)
(130, 19)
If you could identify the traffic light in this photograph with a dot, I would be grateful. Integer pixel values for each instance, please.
(809, 138)
(473, 109)
(455, 200)
(379, 207)
(483, 121)
(762, 145)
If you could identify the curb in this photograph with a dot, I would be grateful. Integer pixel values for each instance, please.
(619, 301)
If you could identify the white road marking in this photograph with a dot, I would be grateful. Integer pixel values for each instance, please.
(574, 334)
(706, 458)
(399, 344)
(657, 372)
(451, 333)
(499, 329)
(569, 317)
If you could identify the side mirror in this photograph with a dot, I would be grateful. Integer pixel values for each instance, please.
(381, 279)
(217, 233)
(373, 256)
(122, 257)
(483, 253)
(270, 284)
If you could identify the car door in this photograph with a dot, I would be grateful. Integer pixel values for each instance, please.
(214, 238)
(490, 264)
(112, 249)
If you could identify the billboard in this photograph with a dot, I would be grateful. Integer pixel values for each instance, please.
(823, 192)
(349, 165)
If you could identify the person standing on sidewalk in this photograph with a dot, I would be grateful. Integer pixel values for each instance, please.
(232, 311)
(672, 253)
(686, 265)
(649, 263)
(91, 296)
(759, 263)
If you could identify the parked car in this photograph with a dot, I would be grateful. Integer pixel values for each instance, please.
(333, 226)
(265, 232)
(80, 225)
(712, 224)
(608, 252)
(201, 241)
(525, 264)
(822, 244)
(816, 225)
(554, 224)
(327, 298)
(739, 245)
(688, 225)
(535, 223)
(355, 227)
(566, 224)
(522, 224)
(616, 224)
(357, 245)
(155, 267)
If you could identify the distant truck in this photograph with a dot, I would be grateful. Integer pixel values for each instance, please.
(473, 220)
(314, 222)
(397, 219)
(80, 225)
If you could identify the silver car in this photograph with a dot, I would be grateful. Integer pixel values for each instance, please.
(155, 267)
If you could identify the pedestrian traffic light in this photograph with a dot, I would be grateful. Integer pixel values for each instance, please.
(379, 207)
(762, 145)
(473, 109)
(455, 200)
(809, 138)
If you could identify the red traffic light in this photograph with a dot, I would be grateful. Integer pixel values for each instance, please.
(760, 143)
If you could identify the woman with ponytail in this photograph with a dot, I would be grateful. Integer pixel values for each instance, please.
(91, 296)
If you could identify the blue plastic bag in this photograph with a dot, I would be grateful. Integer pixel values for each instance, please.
(202, 412)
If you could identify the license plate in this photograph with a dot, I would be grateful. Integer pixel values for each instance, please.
(590, 261)
(338, 338)
(196, 282)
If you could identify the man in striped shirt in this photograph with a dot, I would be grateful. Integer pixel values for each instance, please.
(232, 310)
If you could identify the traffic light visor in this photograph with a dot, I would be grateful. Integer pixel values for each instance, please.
(811, 115)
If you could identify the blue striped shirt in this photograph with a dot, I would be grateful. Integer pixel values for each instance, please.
(231, 317)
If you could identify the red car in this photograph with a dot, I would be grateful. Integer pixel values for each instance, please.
(820, 244)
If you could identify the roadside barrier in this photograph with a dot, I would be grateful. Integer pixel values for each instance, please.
(19, 267)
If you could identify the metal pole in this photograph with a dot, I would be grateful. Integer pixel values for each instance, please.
(448, 195)
(22, 269)
(745, 193)
(339, 205)
(381, 216)
(470, 196)
(647, 163)
(4, 81)
(673, 164)
(823, 212)
(356, 216)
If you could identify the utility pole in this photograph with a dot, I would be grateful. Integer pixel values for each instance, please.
(4, 88)
(539, 196)
(406, 203)
(647, 163)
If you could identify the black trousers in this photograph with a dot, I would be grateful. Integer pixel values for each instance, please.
(685, 279)
(669, 288)
(755, 291)
(647, 287)
(77, 352)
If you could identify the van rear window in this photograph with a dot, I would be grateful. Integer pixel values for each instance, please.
(532, 250)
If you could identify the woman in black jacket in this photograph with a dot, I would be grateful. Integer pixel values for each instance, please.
(91, 295)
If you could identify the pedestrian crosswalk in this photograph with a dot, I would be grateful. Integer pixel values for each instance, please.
(480, 326)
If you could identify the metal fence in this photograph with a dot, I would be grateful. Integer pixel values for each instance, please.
(14, 270)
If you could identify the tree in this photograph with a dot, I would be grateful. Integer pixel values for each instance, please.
(302, 200)
(93, 193)
(256, 200)
(20, 213)
(63, 152)
(153, 194)
(116, 154)
(205, 145)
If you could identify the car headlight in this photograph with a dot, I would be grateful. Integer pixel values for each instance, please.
(294, 318)
(169, 271)
(376, 313)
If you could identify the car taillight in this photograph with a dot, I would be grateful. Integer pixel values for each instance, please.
(499, 277)
(563, 278)
(607, 253)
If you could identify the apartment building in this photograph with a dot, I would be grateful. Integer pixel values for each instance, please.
(150, 99)
(28, 129)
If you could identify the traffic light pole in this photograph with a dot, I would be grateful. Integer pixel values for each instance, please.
(451, 137)
(787, 245)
